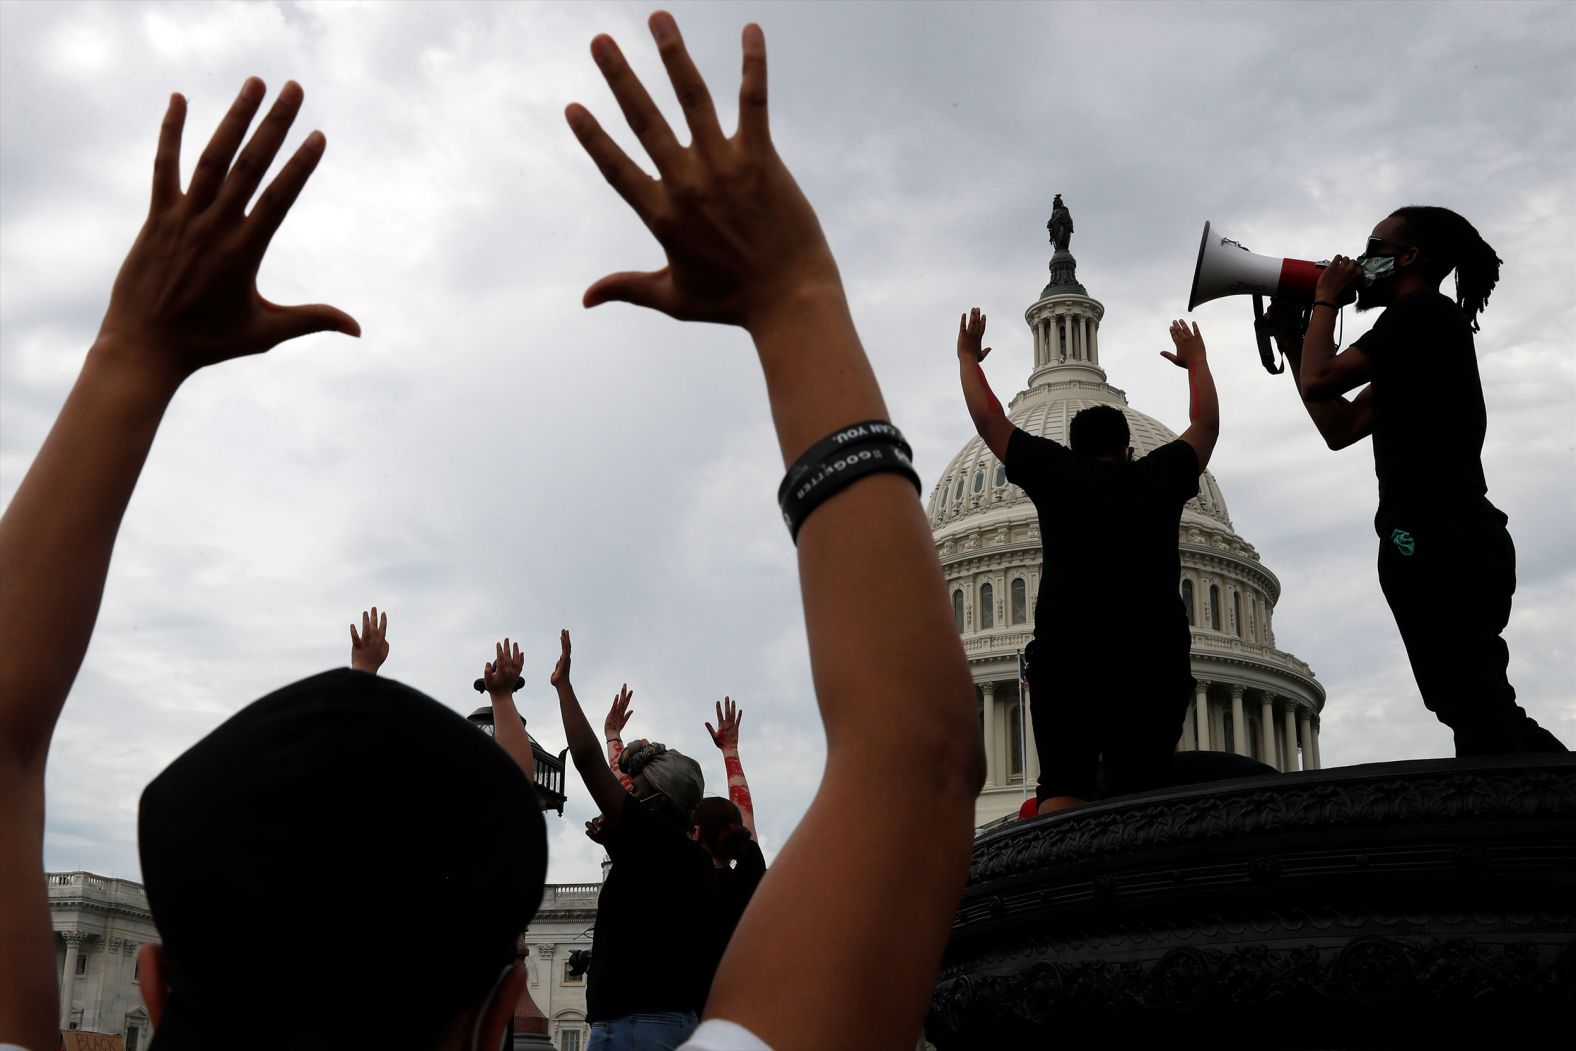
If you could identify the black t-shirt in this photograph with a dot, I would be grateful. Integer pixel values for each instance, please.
(734, 888)
(652, 943)
(1428, 413)
(1110, 536)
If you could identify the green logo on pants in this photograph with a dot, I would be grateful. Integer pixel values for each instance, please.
(1403, 541)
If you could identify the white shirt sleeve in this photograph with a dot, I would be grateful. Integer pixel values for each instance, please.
(717, 1035)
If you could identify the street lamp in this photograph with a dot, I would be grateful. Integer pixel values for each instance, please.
(549, 780)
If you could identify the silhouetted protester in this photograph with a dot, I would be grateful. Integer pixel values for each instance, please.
(650, 952)
(341, 777)
(725, 735)
(1112, 600)
(719, 827)
(726, 828)
(842, 942)
(1446, 562)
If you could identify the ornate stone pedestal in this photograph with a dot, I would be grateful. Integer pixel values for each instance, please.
(1356, 907)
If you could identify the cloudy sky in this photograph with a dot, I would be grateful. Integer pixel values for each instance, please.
(493, 459)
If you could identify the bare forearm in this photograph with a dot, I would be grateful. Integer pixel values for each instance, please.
(56, 539)
(865, 556)
(582, 740)
(1337, 419)
(817, 376)
(615, 748)
(1316, 353)
(1203, 402)
(510, 733)
(739, 788)
(983, 405)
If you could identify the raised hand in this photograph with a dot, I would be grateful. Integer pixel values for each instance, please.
(971, 333)
(502, 673)
(1189, 345)
(186, 296)
(740, 237)
(618, 715)
(725, 735)
(370, 649)
(1339, 281)
(596, 830)
(560, 676)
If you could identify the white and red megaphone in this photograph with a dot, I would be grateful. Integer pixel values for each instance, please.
(1225, 268)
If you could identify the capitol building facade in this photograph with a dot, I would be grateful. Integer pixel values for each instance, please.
(1251, 697)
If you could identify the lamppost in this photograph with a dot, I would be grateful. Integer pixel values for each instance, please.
(549, 768)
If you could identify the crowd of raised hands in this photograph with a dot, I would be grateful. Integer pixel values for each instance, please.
(743, 247)
(501, 679)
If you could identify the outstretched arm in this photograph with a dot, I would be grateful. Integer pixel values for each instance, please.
(185, 297)
(725, 735)
(606, 792)
(984, 409)
(613, 734)
(370, 649)
(744, 247)
(1203, 404)
(1340, 422)
(499, 676)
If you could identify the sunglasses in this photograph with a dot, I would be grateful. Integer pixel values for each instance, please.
(1377, 243)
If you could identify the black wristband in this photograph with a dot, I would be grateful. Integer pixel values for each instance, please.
(843, 438)
(812, 486)
(1325, 303)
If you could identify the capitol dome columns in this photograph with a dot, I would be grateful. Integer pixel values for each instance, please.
(988, 702)
(1201, 713)
(1239, 727)
(1267, 728)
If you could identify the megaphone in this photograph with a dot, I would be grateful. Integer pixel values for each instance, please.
(1226, 268)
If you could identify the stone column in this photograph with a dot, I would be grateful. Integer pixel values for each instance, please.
(1239, 727)
(1188, 742)
(1031, 754)
(1313, 744)
(1094, 342)
(68, 975)
(1291, 737)
(1310, 760)
(990, 734)
(1267, 729)
(1083, 338)
(1201, 710)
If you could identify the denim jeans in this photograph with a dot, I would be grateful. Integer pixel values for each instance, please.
(659, 1031)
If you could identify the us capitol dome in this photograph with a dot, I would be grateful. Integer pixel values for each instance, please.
(1251, 697)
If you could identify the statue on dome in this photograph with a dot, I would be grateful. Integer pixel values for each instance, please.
(1060, 224)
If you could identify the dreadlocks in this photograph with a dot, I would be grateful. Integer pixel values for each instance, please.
(1448, 242)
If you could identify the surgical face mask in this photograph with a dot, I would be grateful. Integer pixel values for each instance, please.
(1376, 268)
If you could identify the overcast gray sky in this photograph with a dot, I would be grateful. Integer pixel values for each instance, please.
(491, 459)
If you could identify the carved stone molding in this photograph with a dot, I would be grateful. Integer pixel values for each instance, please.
(1362, 978)
(1310, 906)
(545, 950)
(74, 937)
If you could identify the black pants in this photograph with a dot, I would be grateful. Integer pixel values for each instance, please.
(1115, 699)
(1449, 587)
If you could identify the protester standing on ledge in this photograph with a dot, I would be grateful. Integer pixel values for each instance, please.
(650, 956)
(1115, 602)
(1446, 562)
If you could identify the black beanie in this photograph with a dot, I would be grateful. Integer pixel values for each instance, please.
(343, 863)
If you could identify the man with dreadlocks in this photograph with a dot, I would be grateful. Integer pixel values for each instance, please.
(1446, 562)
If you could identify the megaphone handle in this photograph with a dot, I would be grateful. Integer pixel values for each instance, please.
(1266, 352)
